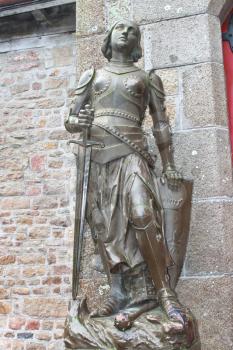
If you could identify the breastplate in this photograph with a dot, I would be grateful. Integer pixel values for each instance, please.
(116, 98)
(120, 95)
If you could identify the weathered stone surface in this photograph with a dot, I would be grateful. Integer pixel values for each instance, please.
(45, 307)
(11, 176)
(154, 10)
(89, 53)
(88, 263)
(44, 202)
(47, 325)
(55, 164)
(18, 345)
(50, 103)
(36, 88)
(7, 259)
(204, 89)
(96, 289)
(13, 163)
(55, 345)
(31, 259)
(21, 291)
(60, 134)
(170, 79)
(90, 17)
(62, 270)
(55, 83)
(35, 346)
(15, 203)
(171, 105)
(59, 333)
(187, 43)
(44, 336)
(220, 8)
(210, 239)
(52, 187)
(5, 308)
(5, 344)
(34, 271)
(4, 293)
(117, 9)
(210, 299)
(37, 162)
(33, 325)
(52, 280)
(62, 55)
(18, 88)
(39, 232)
(204, 156)
(16, 323)
(12, 189)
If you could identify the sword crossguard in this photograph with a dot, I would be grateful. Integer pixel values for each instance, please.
(88, 143)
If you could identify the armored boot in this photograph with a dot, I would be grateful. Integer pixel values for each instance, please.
(169, 302)
(153, 249)
(116, 300)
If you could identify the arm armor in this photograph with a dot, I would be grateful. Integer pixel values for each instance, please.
(162, 135)
(82, 95)
(161, 130)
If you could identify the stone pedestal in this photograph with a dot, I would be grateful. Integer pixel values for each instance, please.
(150, 331)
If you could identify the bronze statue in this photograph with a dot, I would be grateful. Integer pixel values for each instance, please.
(121, 197)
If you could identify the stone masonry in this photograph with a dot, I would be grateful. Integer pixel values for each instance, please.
(37, 82)
(182, 41)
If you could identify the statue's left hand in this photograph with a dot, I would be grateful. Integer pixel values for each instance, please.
(174, 178)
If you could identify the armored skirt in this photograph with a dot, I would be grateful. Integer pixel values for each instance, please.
(122, 195)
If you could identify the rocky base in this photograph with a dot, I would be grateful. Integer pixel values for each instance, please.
(150, 331)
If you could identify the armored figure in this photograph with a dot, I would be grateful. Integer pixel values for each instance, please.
(124, 207)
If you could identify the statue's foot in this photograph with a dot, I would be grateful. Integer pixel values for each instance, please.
(110, 307)
(171, 306)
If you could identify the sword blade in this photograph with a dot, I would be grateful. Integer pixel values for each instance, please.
(83, 164)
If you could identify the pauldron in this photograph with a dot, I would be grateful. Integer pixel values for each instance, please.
(81, 93)
(157, 85)
(84, 81)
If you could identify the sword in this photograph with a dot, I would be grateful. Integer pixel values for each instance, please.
(83, 168)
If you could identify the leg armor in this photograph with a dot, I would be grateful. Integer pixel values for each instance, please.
(147, 222)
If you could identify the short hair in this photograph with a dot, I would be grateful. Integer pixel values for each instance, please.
(106, 48)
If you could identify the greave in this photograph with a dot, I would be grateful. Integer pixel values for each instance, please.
(153, 249)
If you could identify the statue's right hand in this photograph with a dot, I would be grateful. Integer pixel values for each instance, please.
(85, 117)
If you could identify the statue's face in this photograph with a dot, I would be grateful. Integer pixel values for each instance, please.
(124, 36)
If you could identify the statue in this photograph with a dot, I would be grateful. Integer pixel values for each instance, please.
(129, 210)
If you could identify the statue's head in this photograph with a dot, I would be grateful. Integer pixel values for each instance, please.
(123, 34)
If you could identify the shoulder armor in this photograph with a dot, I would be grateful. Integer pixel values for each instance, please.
(84, 81)
(156, 84)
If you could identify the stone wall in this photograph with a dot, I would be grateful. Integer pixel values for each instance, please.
(37, 78)
(182, 40)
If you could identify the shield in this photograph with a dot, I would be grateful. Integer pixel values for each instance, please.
(177, 213)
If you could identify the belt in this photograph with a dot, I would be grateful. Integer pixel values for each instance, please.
(113, 131)
(117, 113)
